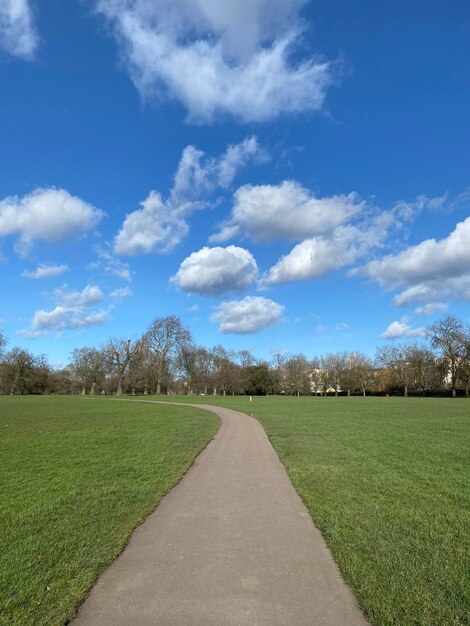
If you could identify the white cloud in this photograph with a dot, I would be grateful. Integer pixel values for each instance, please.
(428, 272)
(62, 318)
(70, 313)
(341, 326)
(317, 256)
(153, 228)
(287, 211)
(249, 315)
(124, 292)
(219, 57)
(320, 328)
(214, 271)
(51, 215)
(402, 328)
(198, 174)
(87, 297)
(18, 35)
(46, 271)
(431, 308)
(160, 224)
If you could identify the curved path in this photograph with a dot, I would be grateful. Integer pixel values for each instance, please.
(232, 544)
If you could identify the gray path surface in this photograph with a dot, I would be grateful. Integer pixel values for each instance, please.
(232, 544)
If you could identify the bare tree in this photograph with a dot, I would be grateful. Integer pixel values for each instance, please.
(297, 379)
(88, 366)
(423, 367)
(395, 359)
(334, 366)
(120, 354)
(447, 336)
(165, 337)
(363, 372)
(17, 370)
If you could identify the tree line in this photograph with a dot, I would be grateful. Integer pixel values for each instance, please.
(166, 359)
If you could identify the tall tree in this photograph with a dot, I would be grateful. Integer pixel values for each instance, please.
(17, 371)
(88, 366)
(297, 379)
(120, 354)
(395, 359)
(165, 337)
(447, 336)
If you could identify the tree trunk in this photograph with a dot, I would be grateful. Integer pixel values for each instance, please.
(466, 389)
(93, 387)
(454, 393)
(83, 391)
(405, 393)
(119, 387)
(349, 393)
(145, 391)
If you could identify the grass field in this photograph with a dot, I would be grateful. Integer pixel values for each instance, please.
(76, 477)
(387, 480)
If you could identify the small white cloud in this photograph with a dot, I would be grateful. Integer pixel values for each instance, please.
(198, 174)
(341, 326)
(50, 215)
(153, 228)
(71, 312)
(249, 315)
(62, 318)
(46, 271)
(87, 297)
(220, 58)
(402, 328)
(123, 292)
(286, 211)
(214, 271)
(431, 308)
(18, 35)
(320, 328)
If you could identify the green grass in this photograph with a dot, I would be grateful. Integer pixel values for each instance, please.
(387, 481)
(76, 477)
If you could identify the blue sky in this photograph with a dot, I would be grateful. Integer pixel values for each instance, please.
(285, 175)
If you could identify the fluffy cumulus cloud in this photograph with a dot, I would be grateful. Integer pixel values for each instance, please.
(18, 35)
(249, 315)
(63, 318)
(214, 271)
(316, 257)
(44, 270)
(153, 228)
(431, 271)
(402, 328)
(72, 312)
(51, 215)
(219, 57)
(287, 211)
(74, 298)
(161, 223)
(351, 229)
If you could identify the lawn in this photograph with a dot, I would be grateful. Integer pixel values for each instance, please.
(387, 480)
(76, 477)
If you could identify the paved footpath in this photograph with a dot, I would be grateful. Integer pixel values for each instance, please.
(231, 545)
